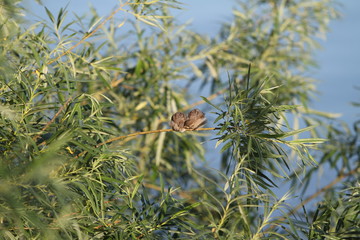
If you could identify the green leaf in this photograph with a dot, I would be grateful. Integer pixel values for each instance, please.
(308, 140)
(282, 108)
(226, 146)
(52, 18)
(207, 101)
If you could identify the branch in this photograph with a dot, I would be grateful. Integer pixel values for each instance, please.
(57, 114)
(211, 97)
(148, 132)
(141, 133)
(316, 194)
(52, 120)
(323, 189)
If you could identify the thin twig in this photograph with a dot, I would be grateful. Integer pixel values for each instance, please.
(335, 181)
(211, 97)
(53, 119)
(316, 194)
(184, 194)
(148, 132)
(57, 114)
(141, 133)
(114, 83)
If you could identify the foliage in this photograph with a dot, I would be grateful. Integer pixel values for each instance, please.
(73, 101)
(339, 218)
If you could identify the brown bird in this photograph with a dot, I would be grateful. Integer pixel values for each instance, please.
(178, 121)
(195, 119)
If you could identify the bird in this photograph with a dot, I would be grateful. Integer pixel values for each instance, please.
(195, 119)
(178, 121)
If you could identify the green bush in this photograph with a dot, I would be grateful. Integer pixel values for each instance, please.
(86, 151)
